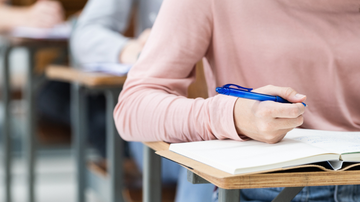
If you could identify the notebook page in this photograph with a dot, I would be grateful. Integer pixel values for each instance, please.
(229, 155)
(333, 141)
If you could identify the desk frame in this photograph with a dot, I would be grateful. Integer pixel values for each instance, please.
(115, 145)
(32, 84)
(230, 185)
(108, 185)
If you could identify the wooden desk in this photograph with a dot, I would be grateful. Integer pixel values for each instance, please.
(83, 83)
(89, 79)
(33, 81)
(230, 184)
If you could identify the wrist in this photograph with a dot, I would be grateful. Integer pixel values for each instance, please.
(11, 16)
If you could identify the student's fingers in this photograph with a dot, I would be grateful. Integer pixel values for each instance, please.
(272, 129)
(144, 36)
(285, 92)
(260, 120)
(272, 137)
(44, 14)
(277, 136)
(51, 10)
(284, 123)
(280, 110)
(46, 23)
(54, 8)
(44, 20)
(130, 52)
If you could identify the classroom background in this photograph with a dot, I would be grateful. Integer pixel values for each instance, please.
(51, 149)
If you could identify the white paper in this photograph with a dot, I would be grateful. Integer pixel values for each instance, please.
(335, 141)
(109, 68)
(250, 156)
(299, 146)
(61, 31)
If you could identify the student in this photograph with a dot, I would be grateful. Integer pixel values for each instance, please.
(42, 14)
(98, 39)
(309, 46)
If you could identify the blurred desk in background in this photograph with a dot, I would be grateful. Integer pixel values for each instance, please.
(34, 79)
(109, 186)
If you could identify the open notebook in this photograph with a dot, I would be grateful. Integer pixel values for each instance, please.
(300, 146)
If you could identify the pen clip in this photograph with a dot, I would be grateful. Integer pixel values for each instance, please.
(237, 87)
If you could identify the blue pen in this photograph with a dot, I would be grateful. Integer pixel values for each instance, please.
(239, 91)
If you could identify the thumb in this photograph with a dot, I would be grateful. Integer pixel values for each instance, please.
(285, 92)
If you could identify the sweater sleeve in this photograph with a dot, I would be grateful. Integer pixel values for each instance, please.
(153, 104)
(97, 36)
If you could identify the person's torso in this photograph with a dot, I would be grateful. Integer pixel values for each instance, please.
(313, 47)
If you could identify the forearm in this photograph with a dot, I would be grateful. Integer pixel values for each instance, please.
(150, 114)
(153, 104)
(97, 37)
(95, 44)
(11, 17)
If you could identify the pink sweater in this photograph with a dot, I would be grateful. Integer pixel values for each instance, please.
(311, 46)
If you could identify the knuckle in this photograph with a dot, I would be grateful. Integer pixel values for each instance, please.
(266, 88)
(264, 112)
(300, 120)
(288, 91)
(294, 112)
(271, 139)
(301, 108)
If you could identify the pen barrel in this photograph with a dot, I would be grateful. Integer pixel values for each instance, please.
(251, 95)
(256, 96)
(280, 99)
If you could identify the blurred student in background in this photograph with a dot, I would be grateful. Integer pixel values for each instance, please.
(98, 39)
(42, 14)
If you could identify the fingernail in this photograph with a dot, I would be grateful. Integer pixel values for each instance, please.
(299, 96)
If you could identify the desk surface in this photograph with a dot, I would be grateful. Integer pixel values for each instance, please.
(15, 41)
(286, 178)
(91, 79)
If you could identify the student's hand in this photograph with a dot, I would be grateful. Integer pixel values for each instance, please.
(44, 14)
(133, 48)
(269, 121)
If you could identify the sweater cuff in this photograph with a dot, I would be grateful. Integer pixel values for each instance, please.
(223, 122)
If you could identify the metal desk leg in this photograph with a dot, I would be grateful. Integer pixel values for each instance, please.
(29, 143)
(78, 109)
(115, 148)
(5, 91)
(152, 176)
(229, 195)
(287, 194)
(195, 179)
